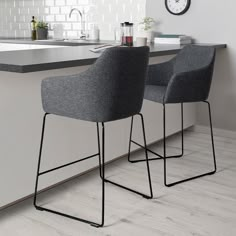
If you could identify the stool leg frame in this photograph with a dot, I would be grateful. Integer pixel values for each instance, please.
(102, 172)
(148, 169)
(159, 156)
(101, 155)
(165, 157)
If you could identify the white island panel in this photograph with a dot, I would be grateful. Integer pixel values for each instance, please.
(66, 139)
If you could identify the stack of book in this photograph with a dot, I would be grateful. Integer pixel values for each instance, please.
(172, 39)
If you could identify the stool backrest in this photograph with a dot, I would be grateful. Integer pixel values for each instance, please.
(193, 57)
(119, 76)
(192, 75)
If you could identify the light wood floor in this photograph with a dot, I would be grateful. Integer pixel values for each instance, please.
(205, 206)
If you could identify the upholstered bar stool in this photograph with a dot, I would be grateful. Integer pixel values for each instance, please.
(184, 79)
(111, 89)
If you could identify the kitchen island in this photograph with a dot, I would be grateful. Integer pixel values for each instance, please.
(72, 55)
(21, 73)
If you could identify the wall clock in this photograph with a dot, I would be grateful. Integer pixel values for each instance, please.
(177, 7)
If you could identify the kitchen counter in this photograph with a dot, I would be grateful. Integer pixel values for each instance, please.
(76, 54)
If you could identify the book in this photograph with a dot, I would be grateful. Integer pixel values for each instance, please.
(171, 35)
(173, 39)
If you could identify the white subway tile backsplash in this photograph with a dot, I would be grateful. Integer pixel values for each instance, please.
(14, 26)
(60, 2)
(46, 10)
(39, 3)
(71, 34)
(73, 18)
(76, 26)
(24, 26)
(67, 26)
(54, 10)
(20, 18)
(15, 15)
(21, 4)
(27, 3)
(22, 11)
(49, 3)
(71, 2)
(50, 18)
(33, 11)
(65, 10)
(14, 12)
(60, 18)
(83, 2)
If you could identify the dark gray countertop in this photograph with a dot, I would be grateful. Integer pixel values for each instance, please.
(76, 54)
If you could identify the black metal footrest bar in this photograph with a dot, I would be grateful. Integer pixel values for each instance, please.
(152, 159)
(68, 216)
(126, 188)
(71, 163)
(159, 157)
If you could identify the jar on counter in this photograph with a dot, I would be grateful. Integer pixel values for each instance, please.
(127, 34)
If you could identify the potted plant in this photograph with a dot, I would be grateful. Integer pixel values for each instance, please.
(147, 24)
(42, 30)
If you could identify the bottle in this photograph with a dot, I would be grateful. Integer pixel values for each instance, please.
(33, 29)
(127, 34)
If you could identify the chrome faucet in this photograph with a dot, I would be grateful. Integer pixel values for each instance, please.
(82, 32)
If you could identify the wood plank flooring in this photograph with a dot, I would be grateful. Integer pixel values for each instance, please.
(203, 207)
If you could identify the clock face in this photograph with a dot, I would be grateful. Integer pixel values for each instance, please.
(177, 7)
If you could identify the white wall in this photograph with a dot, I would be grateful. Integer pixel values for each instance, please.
(208, 22)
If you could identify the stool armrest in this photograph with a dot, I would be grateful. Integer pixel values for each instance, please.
(71, 93)
(189, 86)
(160, 74)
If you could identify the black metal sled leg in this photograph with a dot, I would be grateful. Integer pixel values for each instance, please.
(99, 152)
(147, 163)
(102, 169)
(195, 177)
(159, 156)
(39, 160)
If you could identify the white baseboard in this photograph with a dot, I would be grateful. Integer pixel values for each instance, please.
(217, 132)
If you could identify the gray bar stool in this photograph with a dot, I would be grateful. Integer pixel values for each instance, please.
(111, 89)
(186, 78)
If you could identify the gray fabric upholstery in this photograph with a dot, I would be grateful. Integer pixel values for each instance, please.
(187, 77)
(155, 93)
(160, 74)
(111, 89)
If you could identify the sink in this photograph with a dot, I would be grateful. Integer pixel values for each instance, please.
(62, 40)
(68, 42)
(4, 47)
(55, 42)
(72, 40)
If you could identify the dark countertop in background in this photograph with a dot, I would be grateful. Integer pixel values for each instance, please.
(77, 54)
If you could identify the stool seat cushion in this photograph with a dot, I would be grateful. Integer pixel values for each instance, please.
(155, 93)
